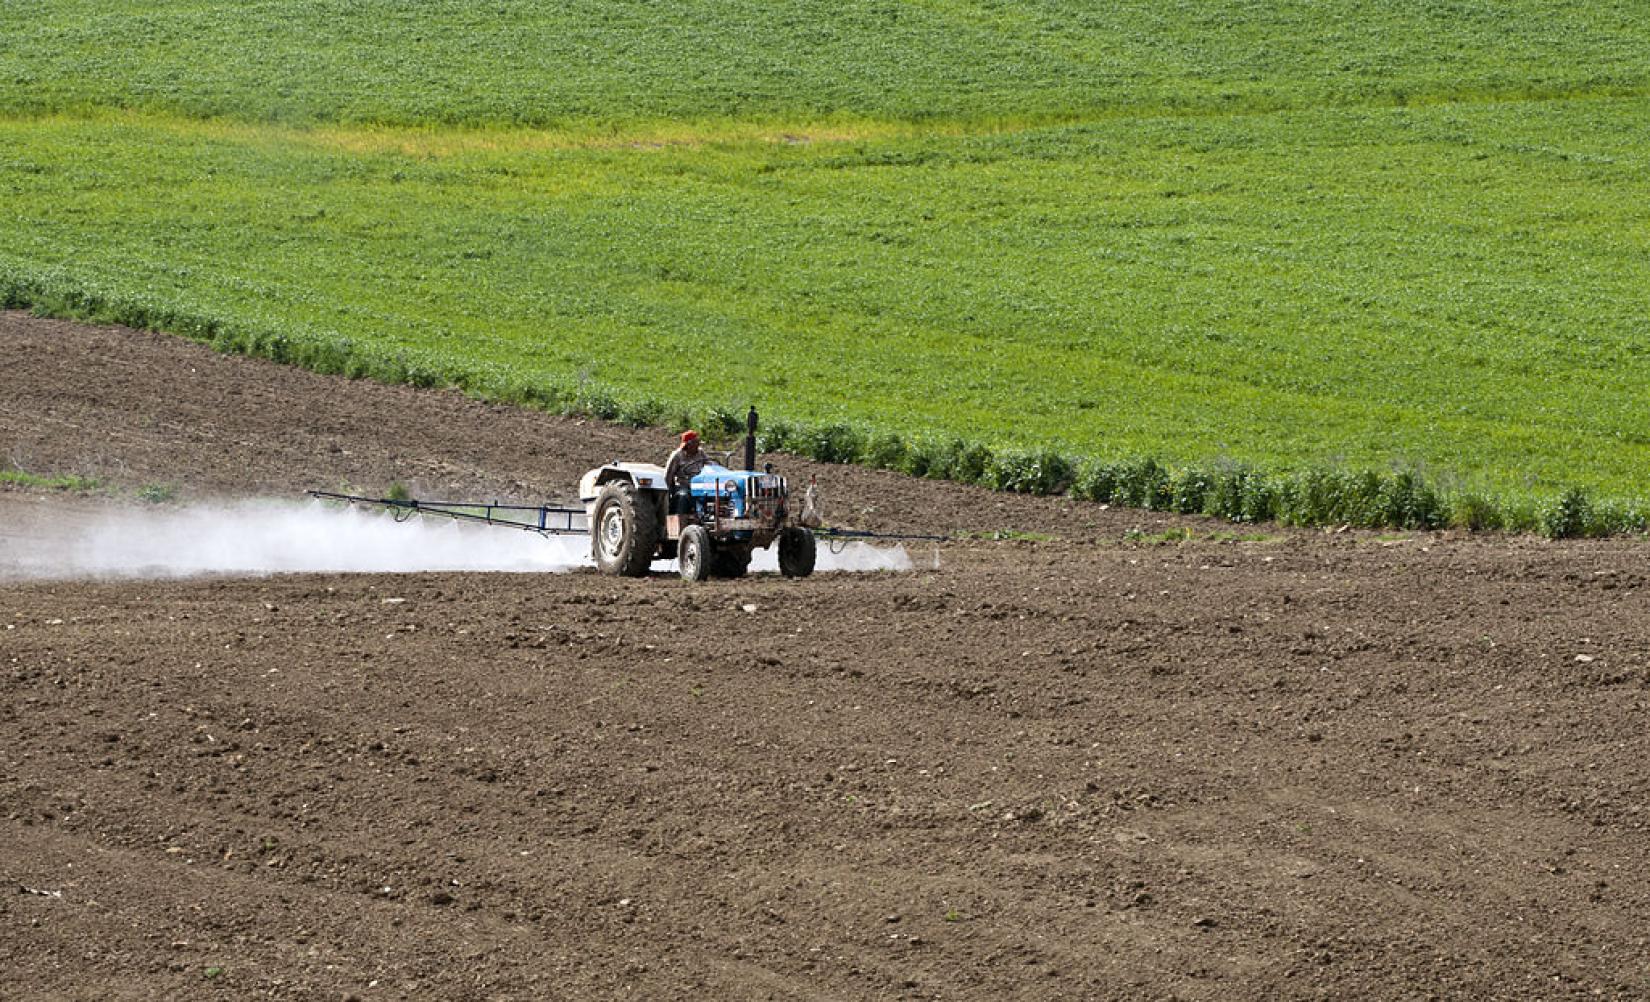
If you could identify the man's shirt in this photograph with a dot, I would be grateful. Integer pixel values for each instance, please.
(682, 467)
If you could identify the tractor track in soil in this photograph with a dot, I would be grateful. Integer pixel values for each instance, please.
(1082, 766)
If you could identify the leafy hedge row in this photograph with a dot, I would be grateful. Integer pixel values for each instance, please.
(1369, 499)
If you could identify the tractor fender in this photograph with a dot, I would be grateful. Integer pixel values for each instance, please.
(642, 476)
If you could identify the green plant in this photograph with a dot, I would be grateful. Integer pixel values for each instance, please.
(1473, 510)
(1043, 472)
(68, 482)
(158, 493)
(1141, 483)
(1188, 488)
(835, 443)
(884, 450)
(776, 436)
(1614, 517)
(1095, 481)
(1569, 514)
(1257, 501)
(1408, 501)
(1167, 537)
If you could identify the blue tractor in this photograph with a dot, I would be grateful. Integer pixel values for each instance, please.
(728, 514)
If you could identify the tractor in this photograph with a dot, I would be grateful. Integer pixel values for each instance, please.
(728, 513)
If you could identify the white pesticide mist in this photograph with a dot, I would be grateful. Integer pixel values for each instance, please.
(855, 556)
(258, 537)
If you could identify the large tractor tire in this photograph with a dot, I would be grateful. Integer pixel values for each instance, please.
(731, 562)
(796, 552)
(695, 555)
(624, 531)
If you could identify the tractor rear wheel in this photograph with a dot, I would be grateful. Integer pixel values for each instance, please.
(694, 556)
(796, 552)
(624, 530)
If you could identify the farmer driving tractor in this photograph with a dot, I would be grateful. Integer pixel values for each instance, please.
(680, 469)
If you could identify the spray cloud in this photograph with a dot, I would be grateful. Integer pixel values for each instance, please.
(258, 537)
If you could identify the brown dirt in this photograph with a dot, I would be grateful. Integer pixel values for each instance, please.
(1086, 766)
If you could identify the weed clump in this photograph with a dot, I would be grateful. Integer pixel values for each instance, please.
(68, 482)
(157, 493)
(1568, 515)
(1470, 509)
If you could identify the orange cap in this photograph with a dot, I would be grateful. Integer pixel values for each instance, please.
(690, 436)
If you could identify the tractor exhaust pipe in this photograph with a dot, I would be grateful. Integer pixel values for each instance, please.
(750, 440)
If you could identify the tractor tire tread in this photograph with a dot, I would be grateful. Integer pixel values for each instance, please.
(640, 532)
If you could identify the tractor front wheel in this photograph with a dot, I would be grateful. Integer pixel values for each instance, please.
(796, 552)
(624, 531)
(694, 557)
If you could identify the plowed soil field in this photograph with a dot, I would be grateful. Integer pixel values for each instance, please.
(1086, 762)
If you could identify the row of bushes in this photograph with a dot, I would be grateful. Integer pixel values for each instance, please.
(1369, 499)
(1399, 499)
(331, 353)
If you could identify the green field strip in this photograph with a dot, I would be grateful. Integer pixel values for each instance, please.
(519, 62)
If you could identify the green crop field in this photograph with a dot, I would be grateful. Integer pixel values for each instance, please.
(525, 62)
(1273, 242)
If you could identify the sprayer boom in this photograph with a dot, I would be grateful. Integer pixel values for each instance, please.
(830, 532)
(546, 520)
